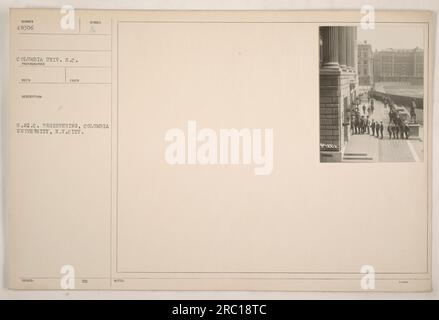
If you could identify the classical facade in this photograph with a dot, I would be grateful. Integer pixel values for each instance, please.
(399, 65)
(338, 89)
(365, 64)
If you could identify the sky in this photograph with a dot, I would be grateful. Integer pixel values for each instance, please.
(396, 37)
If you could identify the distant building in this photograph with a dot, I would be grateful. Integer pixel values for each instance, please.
(365, 64)
(399, 65)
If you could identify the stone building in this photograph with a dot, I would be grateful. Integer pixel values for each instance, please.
(399, 65)
(338, 89)
(365, 64)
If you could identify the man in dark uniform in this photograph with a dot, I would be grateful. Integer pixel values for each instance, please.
(389, 130)
(396, 131)
(402, 130)
(367, 125)
(373, 127)
(362, 125)
(357, 125)
(381, 129)
(407, 130)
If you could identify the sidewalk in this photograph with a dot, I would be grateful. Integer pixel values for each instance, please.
(367, 148)
(361, 148)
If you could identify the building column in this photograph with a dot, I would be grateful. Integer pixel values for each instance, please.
(354, 50)
(350, 49)
(342, 37)
(330, 48)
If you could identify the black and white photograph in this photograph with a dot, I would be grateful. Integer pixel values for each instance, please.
(372, 93)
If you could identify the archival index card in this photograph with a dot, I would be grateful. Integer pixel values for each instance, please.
(226, 150)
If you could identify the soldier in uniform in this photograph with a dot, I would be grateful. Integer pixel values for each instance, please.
(362, 124)
(389, 130)
(352, 125)
(357, 125)
(407, 130)
(403, 130)
(367, 125)
(381, 129)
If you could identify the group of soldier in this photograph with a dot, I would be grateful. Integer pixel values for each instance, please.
(397, 128)
(362, 123)
(398, 131)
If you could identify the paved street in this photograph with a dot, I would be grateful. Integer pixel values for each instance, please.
(366, 148)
